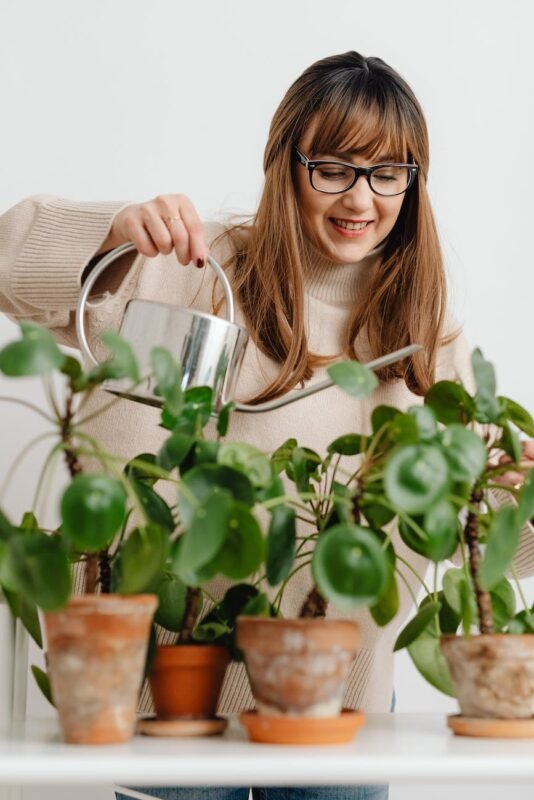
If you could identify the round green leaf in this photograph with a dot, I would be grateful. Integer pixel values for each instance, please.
(415, 477)
(142, 559)
(174, 450)
(465, 452)
(450, 402)
(488, 407)
(426, 422)
(243, 549)
(501, 543)
(171, 593)
(281, 544)
(348, 445)
(40, 569)
(525, 509)
(247, 459)
(206, 531)
(36, 354)
(92, 511)
(349, 566)
(155, 506)
(427, 657)
(518, 415)
(441, 526)
(416, 626)
(387, 606)
(122, 363)
(503, 604)
(168, 376)
(354, 378)
(198, 483)
(382, 415)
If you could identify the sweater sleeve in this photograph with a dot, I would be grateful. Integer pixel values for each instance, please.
(459, 359)
(46, 243)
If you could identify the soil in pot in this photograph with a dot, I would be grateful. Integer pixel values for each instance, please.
(186, 680)
(297, 667)
(96, 653)
(493, 677)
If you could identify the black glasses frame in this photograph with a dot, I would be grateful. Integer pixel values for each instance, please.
(413, 169)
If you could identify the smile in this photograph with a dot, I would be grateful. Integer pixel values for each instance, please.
(349, 227)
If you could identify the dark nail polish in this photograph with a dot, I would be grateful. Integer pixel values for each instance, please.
(200, 262)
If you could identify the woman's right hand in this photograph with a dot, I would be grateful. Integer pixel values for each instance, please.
(169, 222)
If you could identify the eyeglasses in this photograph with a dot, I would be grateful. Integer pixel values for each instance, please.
(334, 177)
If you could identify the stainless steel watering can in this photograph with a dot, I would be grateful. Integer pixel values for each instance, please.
(209, 349)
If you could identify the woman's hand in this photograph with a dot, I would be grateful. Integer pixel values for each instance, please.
(514, 478)
(169, 222)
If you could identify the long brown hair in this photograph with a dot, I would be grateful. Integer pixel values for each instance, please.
(359, 104)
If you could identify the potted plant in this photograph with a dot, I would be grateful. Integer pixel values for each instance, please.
(217, 533)
(298, 668)
(467, 638)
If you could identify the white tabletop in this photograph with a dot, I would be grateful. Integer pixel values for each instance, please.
(390, 747)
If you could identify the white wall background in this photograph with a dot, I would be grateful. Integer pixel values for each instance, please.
(125, 99)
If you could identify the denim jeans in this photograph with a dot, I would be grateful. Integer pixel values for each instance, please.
(371, 792)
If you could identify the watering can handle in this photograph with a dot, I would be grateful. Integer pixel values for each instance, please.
(103, 264)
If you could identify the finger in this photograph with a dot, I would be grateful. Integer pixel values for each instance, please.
(180, 238)
(140, 237)
(510, 478)
(193, 224)
(528, 449)
(158, 231)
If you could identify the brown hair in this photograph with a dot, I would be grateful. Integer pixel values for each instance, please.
(358, 104)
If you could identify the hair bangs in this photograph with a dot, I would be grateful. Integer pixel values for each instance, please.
(364, 123)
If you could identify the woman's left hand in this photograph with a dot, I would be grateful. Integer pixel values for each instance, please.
(514, 478)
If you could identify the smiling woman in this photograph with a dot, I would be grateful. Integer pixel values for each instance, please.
(333, 262)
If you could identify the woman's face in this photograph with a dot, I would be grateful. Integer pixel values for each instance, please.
(323, 213)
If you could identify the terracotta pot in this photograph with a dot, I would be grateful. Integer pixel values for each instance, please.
(492, 674)
(96, 656)
(298, 667)
(186, 680)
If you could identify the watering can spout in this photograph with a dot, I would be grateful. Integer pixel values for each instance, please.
(377, 363)
(209, 349)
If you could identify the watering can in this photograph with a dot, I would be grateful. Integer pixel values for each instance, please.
(209, 349)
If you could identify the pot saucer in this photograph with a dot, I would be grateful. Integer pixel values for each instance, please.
(152, 726)
(302, 730)
(491, 727)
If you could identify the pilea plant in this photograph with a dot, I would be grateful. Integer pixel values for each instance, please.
(115, 522)
(442, 478)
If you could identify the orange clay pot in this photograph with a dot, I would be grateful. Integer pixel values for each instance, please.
(298, 667)
(96, 655)
(186, 680)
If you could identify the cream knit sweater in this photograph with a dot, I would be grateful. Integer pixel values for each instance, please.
(46, 243)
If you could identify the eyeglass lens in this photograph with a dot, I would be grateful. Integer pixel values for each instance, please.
(387, 180)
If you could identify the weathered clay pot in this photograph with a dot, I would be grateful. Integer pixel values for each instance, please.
(186, 680)
(96, 656)
(298, 667)
(492, 674)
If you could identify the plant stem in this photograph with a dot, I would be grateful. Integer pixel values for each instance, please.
(519, 588)
(314, 605)
(190, 616)
(414, 572)
(104, 569)
(482, 597)
(15, 464)
(28, 405)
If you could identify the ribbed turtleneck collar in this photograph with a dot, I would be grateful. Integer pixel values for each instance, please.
(337, 284)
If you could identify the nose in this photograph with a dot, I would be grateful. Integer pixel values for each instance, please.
(360, 196)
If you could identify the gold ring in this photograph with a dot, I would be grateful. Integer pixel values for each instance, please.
(169, 220)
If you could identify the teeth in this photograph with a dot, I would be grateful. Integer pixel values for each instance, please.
(351, 226)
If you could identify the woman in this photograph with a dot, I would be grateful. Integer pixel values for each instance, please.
(341, 259)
